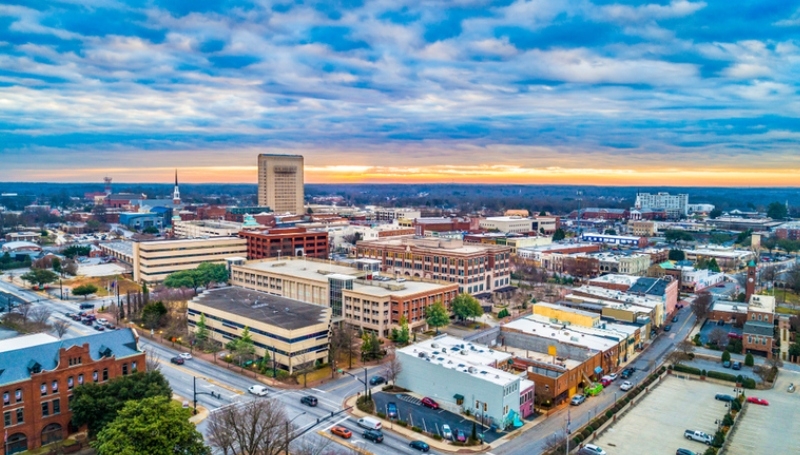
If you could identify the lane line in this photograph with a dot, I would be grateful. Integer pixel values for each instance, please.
(336, 423)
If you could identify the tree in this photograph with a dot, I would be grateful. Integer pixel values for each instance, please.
(84, 290)
(39, 277)
(718, 337)
(182, 279)
(245, 347)
(466, 306)
(715, 213)
(403, 335)
(777, 211)
(346, 342)
(437, 316)
(39, 315)
(56, 264)
(201, 334)
(256, 427)
(674, 236)
(305, 363)
(154, 426)
(749, 361)
(76, 250)
(676, 255)
(726, 356)
(393, 368)
(719, 238)
(702, 305)
(683, 351)
(559, 234)
(97, 404)
(794, 351)
(610, 232)
(60, 328)
(153, 314)
(212, 273)
(150, 230)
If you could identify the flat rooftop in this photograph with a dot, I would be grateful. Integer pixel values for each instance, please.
(265, 308)
(626, 280)
(729, 307)
(762, 303)
(557, 332)
(556, 306)
(124, 248)
(558, 246)
(435, 244)
(626, 297)
(470, 358)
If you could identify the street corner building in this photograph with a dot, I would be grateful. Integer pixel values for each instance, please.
(38, 374)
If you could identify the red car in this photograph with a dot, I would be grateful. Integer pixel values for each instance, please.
(756, 400)
(430, 403)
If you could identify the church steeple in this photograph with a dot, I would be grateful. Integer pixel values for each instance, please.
(176, 195)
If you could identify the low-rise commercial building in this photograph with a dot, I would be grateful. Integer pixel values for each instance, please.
(656, 307)
(292, 333)
(728, 259)
(152, 260)
(475, 268)
(209, 228)
(464, 376)
(23, 237)
(39, 373)
(619, 240)
(280, 242)
(516, 224)
(358, 295)
(628, 264)
(642, 228)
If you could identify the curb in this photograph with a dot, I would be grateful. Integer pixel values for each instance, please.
(344, 442)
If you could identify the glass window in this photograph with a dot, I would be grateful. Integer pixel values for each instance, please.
(7, 418)
(105, 374)
(69, 402)
(70, 383)
(55, 386)
(18, 395)
(45, 409)
(20, 416)
(6, 398)
(94, 376)
(43, 388)
(133, 366)
(56, 406)
(124, 368)
(80, 379)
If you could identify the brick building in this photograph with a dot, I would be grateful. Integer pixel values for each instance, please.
(39, 372)
(286, 242)
(759, 330)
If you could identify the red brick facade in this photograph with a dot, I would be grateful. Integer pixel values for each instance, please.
(286, 242)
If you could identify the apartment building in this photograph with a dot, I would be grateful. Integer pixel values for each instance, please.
(392, 214)
(356, 294)
(280, 183)
(642, 228)
(475, 268)
(292, 333)
(676, 206)
(153, 260)
(516, 224)
(38, 374)
(281, 242)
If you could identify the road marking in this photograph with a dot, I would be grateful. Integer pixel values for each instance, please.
(336, 423)
(340, 386)
(318, 390)
(192, 373)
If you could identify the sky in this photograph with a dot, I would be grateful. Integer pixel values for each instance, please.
(681, 92)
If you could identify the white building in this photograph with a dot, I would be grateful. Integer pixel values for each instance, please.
(675, 205)
(208, 228)
(461, 376)
(391, 214)
(507, 224)
(700, 208)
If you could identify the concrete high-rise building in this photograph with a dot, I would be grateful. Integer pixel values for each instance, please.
(280, 183)
(676, 205)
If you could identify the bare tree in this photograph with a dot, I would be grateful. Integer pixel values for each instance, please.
(257, 427)
(151, 360)
(347, 342)
(305, 364)
(701, 306)
(24, 309)
(554, 441)
(39, 315)
(718, 337)
(393, 369)
(683, 351)
(60, 327)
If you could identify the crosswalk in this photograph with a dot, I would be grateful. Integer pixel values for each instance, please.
(409, 399)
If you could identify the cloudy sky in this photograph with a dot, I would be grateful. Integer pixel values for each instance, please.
(541, 91)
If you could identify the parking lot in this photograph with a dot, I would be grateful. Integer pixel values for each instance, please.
(773, 428)
(656, 425)
(708, 326)
(410, 410)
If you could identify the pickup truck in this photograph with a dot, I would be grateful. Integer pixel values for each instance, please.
(698, 436)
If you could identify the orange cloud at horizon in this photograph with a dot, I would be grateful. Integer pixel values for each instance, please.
(469, 174)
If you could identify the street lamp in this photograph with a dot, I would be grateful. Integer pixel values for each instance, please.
(288, 424)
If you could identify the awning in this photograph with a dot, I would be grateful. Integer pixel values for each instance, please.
(598, 370)
(458, 396)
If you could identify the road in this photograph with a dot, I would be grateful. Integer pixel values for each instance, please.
(534, 441)
(232, 386)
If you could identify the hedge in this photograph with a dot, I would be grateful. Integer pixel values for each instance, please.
(416, 429)
(749, 383)
(723, 376)
(687, 369)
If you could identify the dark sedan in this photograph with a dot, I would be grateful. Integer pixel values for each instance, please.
(419, 445)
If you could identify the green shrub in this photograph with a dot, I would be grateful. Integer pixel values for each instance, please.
(748, 360)
(686, 369)
(727, 420)
(749, 383)
(590, 429)
(402, 423)
(719, 439)
(736, 405)
(577, 439)
(585, 433)
(609, 413)
(437, 437)
(380, 415)
(710, 451)
(416, 429)
(722, 376)
(726, 356)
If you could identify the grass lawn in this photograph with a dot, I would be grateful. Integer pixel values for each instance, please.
(125, 284)
(784, 310)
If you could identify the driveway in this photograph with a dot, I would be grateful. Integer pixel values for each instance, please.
(411, 411)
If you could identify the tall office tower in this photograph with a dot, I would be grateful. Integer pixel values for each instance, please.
(280, 183)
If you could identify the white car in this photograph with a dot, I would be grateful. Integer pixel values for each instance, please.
(591, 449)
(185, 356)
(447, 433)
(613, 376)
(102, 321)
(258, 390)
(627, 385)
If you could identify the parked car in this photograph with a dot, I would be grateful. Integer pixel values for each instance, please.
(459, 435)
(428, 402)
(99, 328)
(736, 365)
(102, 321)
(419, 445)
(613, 376)
(373, 435)
(756, 400)
(675, 318)
(447, 433)
(377, 380)
(593, 389)
(86, 306)
(342, 432)
(577, 399)
(185, 356)
(110, 327)
(258, 390)
(738, 336)
(698, 436)
(667, 328)
(176, 360)
(684, 452)
(726, 364)
(627, 385)
(723, 397)
(309, 400)
(606, 381)
(627, 372)
(591, 449)
(391, 410)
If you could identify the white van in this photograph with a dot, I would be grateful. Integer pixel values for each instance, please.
(369, 422)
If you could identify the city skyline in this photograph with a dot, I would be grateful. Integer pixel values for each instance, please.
(669, 93)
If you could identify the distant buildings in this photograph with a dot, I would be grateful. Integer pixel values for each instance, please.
(509, 224)
(619, 240)
(789, 231)
(38, 374)
(280, 183)
(676, 206)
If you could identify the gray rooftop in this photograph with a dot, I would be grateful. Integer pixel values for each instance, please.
(759, 328)
(265, 308)
(16, 365)
(650, 286)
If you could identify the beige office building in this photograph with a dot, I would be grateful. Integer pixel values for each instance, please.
(280, 183)
(153, 260)
(292, 333)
